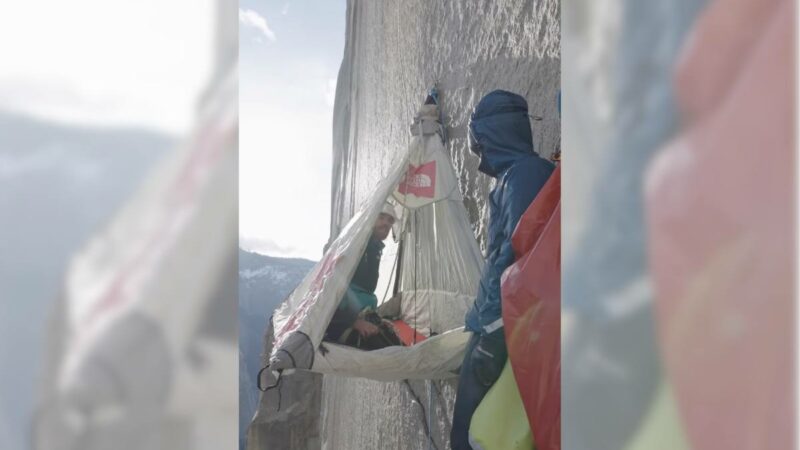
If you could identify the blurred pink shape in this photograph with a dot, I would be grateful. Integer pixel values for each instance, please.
(717, 51)
(720, 208)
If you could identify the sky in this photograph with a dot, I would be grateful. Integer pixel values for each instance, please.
(289, 58)
(100, 62)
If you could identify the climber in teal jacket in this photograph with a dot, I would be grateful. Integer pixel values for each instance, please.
(500, 134)
(360, 294)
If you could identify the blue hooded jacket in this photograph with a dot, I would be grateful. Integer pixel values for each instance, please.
(500, 133)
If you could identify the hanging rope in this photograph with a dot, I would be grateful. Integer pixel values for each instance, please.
(268, 388)
(399, 271)
(394, 265)
(430, 410)
(416, 252)
(425, 417)
(443, 135)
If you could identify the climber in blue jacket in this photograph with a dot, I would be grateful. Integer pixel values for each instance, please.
(500, 134)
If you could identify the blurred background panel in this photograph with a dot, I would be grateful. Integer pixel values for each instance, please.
(679, 224)
(118, 183)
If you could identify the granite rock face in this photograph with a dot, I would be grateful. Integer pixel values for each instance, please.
(264, 282)
(394, 53)
(288, 417)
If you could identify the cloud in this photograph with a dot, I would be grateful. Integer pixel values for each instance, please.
(257, 21)
(285, 9)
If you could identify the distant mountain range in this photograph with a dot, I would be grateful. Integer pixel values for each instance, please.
(264, 282)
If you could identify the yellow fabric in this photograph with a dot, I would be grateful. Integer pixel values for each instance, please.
(662, 428)
(500, 422)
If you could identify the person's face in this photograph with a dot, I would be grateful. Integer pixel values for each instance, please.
(382, 226)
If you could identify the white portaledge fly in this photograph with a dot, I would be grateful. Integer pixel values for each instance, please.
(440, 266)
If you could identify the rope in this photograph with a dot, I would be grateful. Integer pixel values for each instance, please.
(416, 252)
(443, 136)
(394, 265)
(399, 270)
(430, 410)
(425, 417)
(268, 388)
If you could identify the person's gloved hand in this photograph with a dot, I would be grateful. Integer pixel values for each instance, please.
(489, 356)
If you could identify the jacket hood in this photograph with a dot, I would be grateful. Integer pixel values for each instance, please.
(499, 131)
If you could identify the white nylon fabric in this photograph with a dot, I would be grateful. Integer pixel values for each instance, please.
(433, 312)
(440, 269)
(430, 176)
(435, 358)
(311, 305)
(441, 251)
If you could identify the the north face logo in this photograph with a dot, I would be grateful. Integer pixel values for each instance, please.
(420, 180)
